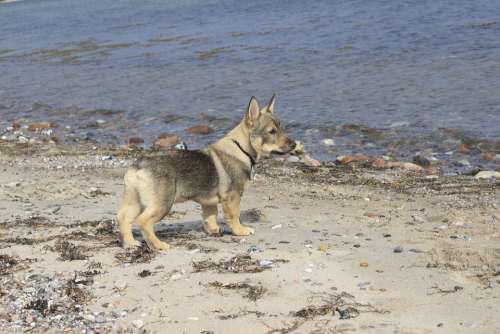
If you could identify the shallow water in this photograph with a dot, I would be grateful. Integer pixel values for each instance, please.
(407, 68)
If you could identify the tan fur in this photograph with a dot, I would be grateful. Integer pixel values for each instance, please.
(215, 175)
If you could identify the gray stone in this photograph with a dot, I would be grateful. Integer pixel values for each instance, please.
(120, 285)
(398, 249)
(328, 142)
(462, 163)
(486, 174)
(138, 323)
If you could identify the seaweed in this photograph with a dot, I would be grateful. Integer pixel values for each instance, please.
(70, 252)
(238, 264)
(141, 254)
(252, 292)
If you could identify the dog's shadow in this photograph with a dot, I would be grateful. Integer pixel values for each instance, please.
(173, 232)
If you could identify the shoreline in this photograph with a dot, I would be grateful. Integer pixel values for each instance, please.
(348, 248)
(449, 151)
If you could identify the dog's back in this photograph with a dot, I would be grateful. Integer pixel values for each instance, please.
(193, 172)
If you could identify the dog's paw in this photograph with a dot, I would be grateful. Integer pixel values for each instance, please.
(130, 244)
(212, 230)
(161, 246)
(243, 230)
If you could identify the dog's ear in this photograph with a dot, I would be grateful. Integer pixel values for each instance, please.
(270, 105)
(253, 112)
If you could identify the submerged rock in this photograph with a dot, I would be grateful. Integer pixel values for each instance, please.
(135, 141)
(462, 163)
(487, 156)
(463, 149)
(200, 130)
(40, 126)
(166, 140)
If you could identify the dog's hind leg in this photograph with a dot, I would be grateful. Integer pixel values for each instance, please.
(157, 199)
(210, 219)
(128, 212)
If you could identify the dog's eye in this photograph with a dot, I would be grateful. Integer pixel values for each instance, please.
(272, 131)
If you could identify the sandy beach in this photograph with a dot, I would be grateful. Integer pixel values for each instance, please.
(337, 249)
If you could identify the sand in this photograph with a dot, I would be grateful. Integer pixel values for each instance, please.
(337, 249)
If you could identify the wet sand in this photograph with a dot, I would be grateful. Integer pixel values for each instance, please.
(337, 249)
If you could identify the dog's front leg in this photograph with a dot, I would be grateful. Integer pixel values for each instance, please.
(231, 208)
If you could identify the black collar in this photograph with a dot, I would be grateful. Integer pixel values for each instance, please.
(252, 159)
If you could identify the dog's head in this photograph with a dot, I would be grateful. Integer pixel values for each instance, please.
(266, 134)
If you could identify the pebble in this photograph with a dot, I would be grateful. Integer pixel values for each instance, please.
(293, 158)
(265, 263)
(311, 162)
(13, 185)
(54, 209)
(276, 226)
(22, 140)
(181, 146)
(404, 165)
(138, 323)
(328, 142)
(254, 249)
(346, 159)
(176, 277)
(421, 161)
(89, 317)
(120, 285)
(308, 270)
(323, 248)
(106, 157)
(462, 163)
(399, 124)
(398, 249)
(486, 174)
(100, 318)
(363, 264)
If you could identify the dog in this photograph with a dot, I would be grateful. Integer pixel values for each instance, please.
(214, 175)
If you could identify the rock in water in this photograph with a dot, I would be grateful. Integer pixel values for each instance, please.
(200, 130)
(328, 142)
(421, 161)
(40, 126)
(165, 141)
